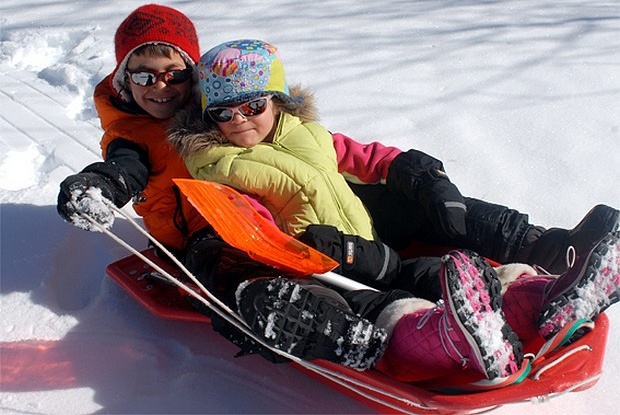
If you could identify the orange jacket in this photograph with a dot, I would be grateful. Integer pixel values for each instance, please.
(168, 216)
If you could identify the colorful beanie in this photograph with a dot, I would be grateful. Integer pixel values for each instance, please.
(152, 24)
(240, 70)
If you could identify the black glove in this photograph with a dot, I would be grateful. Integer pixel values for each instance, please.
(369, 262)
(88, 193)
(418, 177)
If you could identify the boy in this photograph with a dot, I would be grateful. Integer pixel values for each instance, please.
(156, 49)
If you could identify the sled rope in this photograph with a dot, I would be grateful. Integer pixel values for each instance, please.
(225, 312)
(235, 320)
(564, 356)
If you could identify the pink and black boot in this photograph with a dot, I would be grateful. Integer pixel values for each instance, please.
(467, 331)
(589, 287)
(542, 305)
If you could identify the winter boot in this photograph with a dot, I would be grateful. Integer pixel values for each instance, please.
(469, 330)
(585, 290)
(522, 304)
(309, 321)
(549, 248)
(530, 296)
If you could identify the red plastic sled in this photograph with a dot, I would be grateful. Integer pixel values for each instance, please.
(572, 368)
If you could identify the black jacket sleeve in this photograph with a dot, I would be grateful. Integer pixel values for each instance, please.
(413, 171)
(126, 169)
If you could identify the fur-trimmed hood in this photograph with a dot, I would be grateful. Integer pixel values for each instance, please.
(190, 134)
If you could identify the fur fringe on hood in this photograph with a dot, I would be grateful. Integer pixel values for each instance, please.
(189, 133)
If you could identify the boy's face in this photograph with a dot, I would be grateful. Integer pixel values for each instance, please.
(160, 100)
(249, 131)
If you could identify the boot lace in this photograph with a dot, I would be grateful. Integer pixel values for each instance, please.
(571, 257)
(444, 328)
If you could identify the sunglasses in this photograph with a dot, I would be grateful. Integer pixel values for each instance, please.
(248, 109)
(147, 78)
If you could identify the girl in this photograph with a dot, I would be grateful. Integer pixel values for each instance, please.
(258, 136)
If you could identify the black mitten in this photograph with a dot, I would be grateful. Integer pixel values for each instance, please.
(418, 177)
(369, 262)
(86, 193)
(92, 191)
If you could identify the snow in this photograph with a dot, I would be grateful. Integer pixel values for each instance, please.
(520, 99)
(92, 206)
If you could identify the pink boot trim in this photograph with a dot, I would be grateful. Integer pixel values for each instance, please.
(415, 351)
(470, 331)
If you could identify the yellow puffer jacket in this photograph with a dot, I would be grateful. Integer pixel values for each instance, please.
(295, 177)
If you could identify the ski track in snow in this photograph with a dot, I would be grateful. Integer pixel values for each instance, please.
(33, 101)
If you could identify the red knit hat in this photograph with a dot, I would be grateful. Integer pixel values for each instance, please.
(152, 24)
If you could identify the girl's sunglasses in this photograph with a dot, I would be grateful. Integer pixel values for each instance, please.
(248, 109)
(146, 78)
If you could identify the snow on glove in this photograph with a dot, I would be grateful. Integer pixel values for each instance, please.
(86, 193)
(418, 177)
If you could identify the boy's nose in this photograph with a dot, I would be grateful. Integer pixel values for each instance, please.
(159, 84)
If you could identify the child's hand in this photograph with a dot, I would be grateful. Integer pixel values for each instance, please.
(86, 194)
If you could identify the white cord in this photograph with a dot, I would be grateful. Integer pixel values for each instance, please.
(564, 356)
(225, 312)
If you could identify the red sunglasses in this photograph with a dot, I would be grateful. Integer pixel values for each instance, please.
(148, 78)
(247, 109)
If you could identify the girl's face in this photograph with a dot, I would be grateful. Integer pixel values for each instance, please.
(248, 131)
(161, 99)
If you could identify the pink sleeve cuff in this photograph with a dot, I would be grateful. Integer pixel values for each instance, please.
(363, 163)
(262, 210)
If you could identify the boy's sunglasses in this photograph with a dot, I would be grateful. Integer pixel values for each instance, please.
(146, 78)
(247, 109)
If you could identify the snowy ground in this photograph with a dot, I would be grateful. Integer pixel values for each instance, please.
(520, 99)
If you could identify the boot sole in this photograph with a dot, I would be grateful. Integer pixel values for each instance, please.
(291, 318)
(473, 294)
(595, 289)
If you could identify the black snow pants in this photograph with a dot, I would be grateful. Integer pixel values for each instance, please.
(494, 231)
